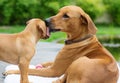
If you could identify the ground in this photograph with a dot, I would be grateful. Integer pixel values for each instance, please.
(44, 52)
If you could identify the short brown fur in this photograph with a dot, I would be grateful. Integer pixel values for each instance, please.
(19, 48)
(86, 61)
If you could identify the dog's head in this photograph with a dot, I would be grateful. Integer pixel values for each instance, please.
(71, 19)
(38, 26)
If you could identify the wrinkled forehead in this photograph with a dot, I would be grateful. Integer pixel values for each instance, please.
(72, 11)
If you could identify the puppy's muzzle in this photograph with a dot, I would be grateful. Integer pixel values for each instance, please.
(50, 25)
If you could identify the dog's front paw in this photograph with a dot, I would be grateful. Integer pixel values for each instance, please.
(10, 72)
(4, 73)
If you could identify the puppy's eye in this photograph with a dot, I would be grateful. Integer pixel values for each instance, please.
(65, 16)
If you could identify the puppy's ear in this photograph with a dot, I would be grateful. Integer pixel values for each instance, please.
(42, 28)
(90, 25)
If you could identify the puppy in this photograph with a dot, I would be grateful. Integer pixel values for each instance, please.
(20, 48)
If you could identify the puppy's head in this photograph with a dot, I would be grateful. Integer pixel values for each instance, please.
(38, 26)
(71, 19)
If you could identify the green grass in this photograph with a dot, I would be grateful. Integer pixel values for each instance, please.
(115, 52)
(11, 29)
(108, 30)
(102, 30)
(17, 29)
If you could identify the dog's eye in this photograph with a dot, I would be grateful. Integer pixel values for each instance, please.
(65, 16)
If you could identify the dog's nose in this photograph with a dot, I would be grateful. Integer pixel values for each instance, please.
(47, 21)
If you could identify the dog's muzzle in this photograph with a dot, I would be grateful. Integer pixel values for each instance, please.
(50, 25)
(47, 21)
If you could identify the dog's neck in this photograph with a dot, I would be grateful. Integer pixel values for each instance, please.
(34, 36)
(67, 42)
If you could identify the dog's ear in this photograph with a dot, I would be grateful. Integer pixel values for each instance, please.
(90, 25)
(42, 28)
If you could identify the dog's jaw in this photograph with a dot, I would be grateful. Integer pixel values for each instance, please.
(54, 30)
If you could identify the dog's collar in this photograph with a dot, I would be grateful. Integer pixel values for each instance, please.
(67, 42)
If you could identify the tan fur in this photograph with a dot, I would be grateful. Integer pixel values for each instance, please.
(20, 48)
(86, 61)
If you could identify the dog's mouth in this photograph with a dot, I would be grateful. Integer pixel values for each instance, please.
(50, 27)
(54, 30)
(49, 31)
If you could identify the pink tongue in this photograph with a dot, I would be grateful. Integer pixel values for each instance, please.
(48, 33)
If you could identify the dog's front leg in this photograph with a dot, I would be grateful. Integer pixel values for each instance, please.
(46, 72)
(23, 66)
(47, 64)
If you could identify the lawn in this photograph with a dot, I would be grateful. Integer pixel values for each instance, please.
(11, 29)
(102, 30)
(108, 30)
(60, 36)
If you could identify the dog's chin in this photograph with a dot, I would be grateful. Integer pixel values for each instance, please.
(51, 28)
(54, 30)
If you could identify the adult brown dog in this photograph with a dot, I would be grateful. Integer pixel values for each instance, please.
(20, 48)
(83, 59)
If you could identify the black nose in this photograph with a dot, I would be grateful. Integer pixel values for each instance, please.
(47, 21)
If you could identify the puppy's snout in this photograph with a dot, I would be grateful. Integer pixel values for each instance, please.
(47, 21)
